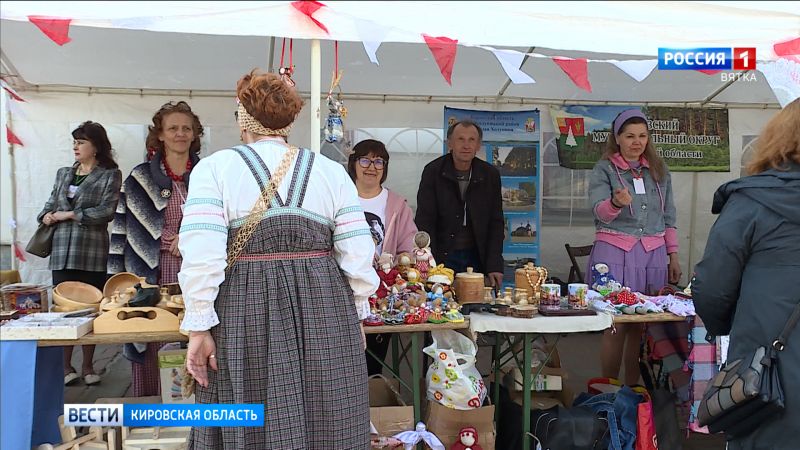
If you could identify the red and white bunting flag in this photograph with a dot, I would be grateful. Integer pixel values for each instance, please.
(56, 28)
(12, 138)
(444, 52)
(511, 62)
(638, 69)
(308, 8)
(372, 36)
(577, 70)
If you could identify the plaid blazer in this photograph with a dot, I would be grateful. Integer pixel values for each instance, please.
(82, 244)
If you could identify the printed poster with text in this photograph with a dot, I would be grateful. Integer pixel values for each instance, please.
(689, 139)
(511, 141)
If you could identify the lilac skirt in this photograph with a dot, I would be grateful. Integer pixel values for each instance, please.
(638, 269)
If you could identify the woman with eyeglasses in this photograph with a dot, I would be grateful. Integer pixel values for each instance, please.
(144, 236)
(388, 215)
(82, 202)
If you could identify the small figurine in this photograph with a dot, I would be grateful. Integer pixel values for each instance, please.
(400, 284)
(387, 274)
(422, 253)
(453, 314)
(420, 434)
(602, 281)
(467, 440)
(437, 293)
(414, 283)
(404, 262)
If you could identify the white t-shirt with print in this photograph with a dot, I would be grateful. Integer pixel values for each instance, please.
(375, 212)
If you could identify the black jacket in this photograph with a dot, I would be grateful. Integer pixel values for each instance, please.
(440, 209)
(747, 283)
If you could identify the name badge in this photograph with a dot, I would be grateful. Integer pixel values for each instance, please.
(71, 191)
(638, 186)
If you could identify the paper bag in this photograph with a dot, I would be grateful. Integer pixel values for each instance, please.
(446, 422)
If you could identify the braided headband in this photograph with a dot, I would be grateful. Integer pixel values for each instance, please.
(252, 125)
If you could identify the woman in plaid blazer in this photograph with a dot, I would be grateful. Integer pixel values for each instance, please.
(81, 205)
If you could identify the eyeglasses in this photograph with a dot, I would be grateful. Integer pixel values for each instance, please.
(377, 162)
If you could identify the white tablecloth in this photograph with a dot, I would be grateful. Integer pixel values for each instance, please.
(486, 322)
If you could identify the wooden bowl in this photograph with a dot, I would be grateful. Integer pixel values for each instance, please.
(120, 282)
(78, 292)
(71, 305)
(58, 308)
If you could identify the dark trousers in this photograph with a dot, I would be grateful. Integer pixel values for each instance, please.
(379, 345)
(459, 260)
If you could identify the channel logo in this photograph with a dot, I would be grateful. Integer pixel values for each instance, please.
(711, 58)
(164, 415)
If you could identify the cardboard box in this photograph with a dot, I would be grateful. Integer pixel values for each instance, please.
(171, 360)
(446, 423)
(25, 298)
(549, 379)
(388, 413)
(45, 326)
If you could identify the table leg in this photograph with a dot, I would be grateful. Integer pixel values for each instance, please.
(496, 358)
(416, 374)
(395, 338)
(526, 391)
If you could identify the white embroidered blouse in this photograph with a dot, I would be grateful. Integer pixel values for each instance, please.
(223, 190)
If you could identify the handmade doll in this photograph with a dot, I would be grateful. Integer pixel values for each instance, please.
(602, 281)
(422, 253)
(414, 283)
(404, 262)
(420, 434)
(387, 274)
(467, 440)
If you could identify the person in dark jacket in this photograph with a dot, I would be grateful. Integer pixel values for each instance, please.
(81, 205)
(459, 203)
(746, 284)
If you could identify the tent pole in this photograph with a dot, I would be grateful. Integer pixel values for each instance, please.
(316, 66)
(13, 176)
(271, 64)
(719, 90)
(692, 223)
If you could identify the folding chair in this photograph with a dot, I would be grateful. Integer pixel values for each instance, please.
(575, 272)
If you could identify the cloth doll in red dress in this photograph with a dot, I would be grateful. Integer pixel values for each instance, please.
(467, 440)
(386, 273)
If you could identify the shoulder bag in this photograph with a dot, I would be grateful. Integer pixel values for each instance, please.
(41, 244)
(747, 391)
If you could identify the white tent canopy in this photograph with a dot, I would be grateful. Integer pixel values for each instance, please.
(205, 46)
(195, 51)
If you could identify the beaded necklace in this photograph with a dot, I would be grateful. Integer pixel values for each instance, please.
(171, 174)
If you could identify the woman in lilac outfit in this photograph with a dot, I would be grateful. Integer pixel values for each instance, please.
(631, 196)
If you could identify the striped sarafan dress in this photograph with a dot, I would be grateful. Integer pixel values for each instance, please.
(288, 332)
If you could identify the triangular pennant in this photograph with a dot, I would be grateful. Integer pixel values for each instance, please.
(371, 36)
(788, 49)
(444, 52)
(511, 62)
(12, 138)
(57, 29)
(577, 70)
(308, 8)
(638, 69)
(782, 76)
(12, 93)
(18, 252)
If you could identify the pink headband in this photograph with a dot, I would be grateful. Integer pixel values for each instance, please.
(624, 116)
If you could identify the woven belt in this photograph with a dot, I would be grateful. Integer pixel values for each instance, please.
(283, 255)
